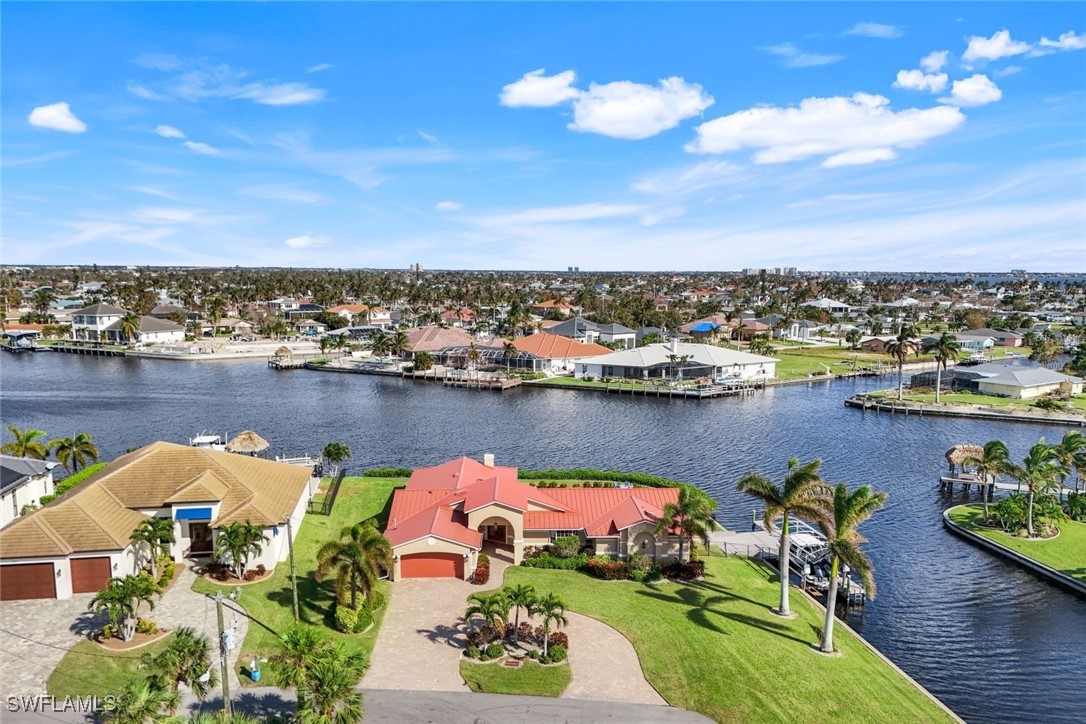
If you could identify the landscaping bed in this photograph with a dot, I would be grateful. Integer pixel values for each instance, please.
(528, 679)
(136, 642)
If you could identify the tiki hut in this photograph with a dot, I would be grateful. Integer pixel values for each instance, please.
(957, 455)
(283, 353)
(247, 443)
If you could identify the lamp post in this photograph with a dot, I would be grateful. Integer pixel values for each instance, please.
(224, 666)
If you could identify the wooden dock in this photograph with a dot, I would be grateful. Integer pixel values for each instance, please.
(81, 346)
(700, 392)
(499, 384)
(968, 480)
(295, 362)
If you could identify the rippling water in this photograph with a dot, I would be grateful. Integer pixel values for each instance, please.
(992, 641)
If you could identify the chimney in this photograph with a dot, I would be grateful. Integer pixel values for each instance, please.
(674, 345)
(488, 460)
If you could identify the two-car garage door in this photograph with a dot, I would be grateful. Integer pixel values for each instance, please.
(29, 580)
(432, 565)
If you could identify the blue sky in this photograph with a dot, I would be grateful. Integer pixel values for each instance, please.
(920, 136)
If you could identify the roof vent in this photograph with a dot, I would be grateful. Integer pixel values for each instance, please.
(488, 460)
(395, 522)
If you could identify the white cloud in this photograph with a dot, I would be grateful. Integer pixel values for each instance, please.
(57, 116)
(1067, 41)
(158, 61)
(1000, 45)
(202, 148)
(850, 130)
(305, 241)
(536, 90)
(1009, 70)
(429, 137)
(169, 132)
(195, 80)
(164, 216)
(976, 90)
(284, 192)
(318, 67)
(934, 61)
(797, 58)
(689, 180)
(918, 80)
(151, 191)
(279, 94)
(448, 206)
(875, 30)
(560, 214)
(145, 93)
(633, 111)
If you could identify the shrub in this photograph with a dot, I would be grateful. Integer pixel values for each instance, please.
(73, 480)
(533, 654)
(638, 575)
(495, 651)
(684, 571)
(525, 632)
(107, 632)
(573, 563)
(533, 551)
(567, 546)
(556, 655)
(261, 569)
(472, 652)
(250, 575)
(346, 619)
(363, 621)
(558, 638)
(1049, 404)
(640, 562)
(651, 481)
(537, 635)
(145, 626)
(168, 569)
(484, 559)
(376, 600)
(1076, 506)
(481, 574)
(423, 361)
(607, 568)
(388, 473)
(28, 508)
(481, 636)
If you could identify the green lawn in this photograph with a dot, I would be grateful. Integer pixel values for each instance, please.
(968, 398)
(713, 647)
(574, 382)
(269, 603)
(1066, 552)
(530, 679)
(88, 670)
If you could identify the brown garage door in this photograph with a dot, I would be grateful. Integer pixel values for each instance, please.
(432, 565)
(89, 575)
(29, 580)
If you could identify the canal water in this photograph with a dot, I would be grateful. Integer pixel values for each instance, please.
(994, 642)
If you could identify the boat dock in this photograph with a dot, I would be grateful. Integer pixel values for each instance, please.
(698, 392)
(499, 384)
(294, 361)
(81, 346)
(968, 480)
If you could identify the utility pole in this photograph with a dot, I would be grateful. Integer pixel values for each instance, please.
(224, 665)
(293, 576)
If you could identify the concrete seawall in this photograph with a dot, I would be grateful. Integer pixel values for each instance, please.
(1039, 568)
(920, 409)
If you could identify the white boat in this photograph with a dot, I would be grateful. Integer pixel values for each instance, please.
(208, 442)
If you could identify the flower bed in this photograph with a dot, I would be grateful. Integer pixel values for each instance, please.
(222, 574)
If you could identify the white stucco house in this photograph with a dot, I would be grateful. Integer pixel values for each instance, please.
(679, 359)
(23, 481)
(90, 323)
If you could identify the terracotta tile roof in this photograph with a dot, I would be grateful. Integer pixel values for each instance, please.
(456, 475)
(352, 308)
(553, 346)
(433, 338)
(101, 513)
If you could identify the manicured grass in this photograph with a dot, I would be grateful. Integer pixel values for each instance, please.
(530, 679)
(713, 647)
(797, 362)
(968, 398)
(88, 670)
(574, 382)
(1066, 552)
(269, 603)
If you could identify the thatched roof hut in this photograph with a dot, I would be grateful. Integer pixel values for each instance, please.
(961, 452)
(247, 443)
(283, 351)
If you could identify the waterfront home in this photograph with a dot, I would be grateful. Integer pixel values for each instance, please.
(76, 543)
(552, 353)
(283, 305)
(832, 306)
(165, 311)
(462, 318)
(877, 345)
(102, 323)
(1027, 383)
(450, 513)
(435, 340)
(23, 481)
(233, 326)
(550, 306)
(967, 342)
(676, 359)
(617, 333)
(577, 328)
(310, 327)
(1002, 337)
(90, 323)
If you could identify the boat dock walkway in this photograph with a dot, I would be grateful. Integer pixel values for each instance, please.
(967, 480)
(698, 392)
(80, 346)
(295, 361)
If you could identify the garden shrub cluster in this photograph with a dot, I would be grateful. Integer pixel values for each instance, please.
(388, 473)
(350, 620)
(168, 569)
(687, 571)
(1076, 507)
(482, 570)
(546, 560)
(607, 568)
(1010, 514)
(71, 481)
(652, 481)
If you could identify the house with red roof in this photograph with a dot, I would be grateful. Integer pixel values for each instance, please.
(450, 513)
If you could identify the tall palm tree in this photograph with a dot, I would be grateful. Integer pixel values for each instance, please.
(943, 349)
(331, 696)
(519, 596)
(398, 342)
(692, 516)
(990, 465)
(848, 511)
(1039, 470)
(355, 558)
(802, 492)
(336, 453)
(25, 444)
(492, 608)
(155, 533)
(900, 348)
(510, 351)
(474, 354)
(241, 541)
(130, 327)
(74, 452)
(552, 610)
(121, 599)
(185, 659)
(1071, 455)
(380, 343)
(139, 702)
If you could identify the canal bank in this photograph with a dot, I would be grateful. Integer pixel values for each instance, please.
(875, 402)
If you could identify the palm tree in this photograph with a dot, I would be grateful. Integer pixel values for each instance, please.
(25, 444)
(1071, 455)
(803, 492)
(510, 351)
(298, 646)
(129, 327)
(493, 608)
(155, 533)
(1039, 470)
(336, 453)
(331, 697)
(186, 659)
(519, 596)
(356, 559)
(692, 516)
(241, 541)
(552, 610)
(899, 348)
(943, 349)
(853, 338)
(843, 540)
(121, 599)
(74, 452)
(474, 354)
(380, 344)
(399, 342)
(990, 465)
(139, 702)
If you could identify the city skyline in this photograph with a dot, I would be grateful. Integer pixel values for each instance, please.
(636, 137)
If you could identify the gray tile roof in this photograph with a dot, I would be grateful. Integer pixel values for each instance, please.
(13, 470)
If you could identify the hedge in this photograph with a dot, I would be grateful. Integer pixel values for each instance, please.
(71, 481)
(573, 563)
(388, 473)
(652, 481)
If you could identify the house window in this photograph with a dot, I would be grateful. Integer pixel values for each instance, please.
(555, 534)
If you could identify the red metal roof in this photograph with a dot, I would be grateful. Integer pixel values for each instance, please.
(457, 474)
(594, 509)
(510, 493)
(440, 522)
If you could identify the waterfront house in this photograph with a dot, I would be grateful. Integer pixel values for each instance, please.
(450, 513)
(875, 344)
(967, 342)
(23, 481)
(706, 332)
(151, 331)
(1002, 337)
(552, 353)
(462, 318)
(310, 327)
(435, 340)
(615, 333)
(76, 543)
(1027, 383)
(679, 359)
(90, 323)
(283, 306)
(832, 306)
(577, 328)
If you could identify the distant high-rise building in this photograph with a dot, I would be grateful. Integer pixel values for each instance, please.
(572, 269)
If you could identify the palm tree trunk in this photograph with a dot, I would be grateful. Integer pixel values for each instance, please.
(516, 627)
(354, 595)
(900, 380)
(984, 492)
(546, 639)
(782, 560)
(831, 603)
(1029, 514)
(938, 382)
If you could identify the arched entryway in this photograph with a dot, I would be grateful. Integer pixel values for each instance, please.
(499, 536)
(644, 543)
